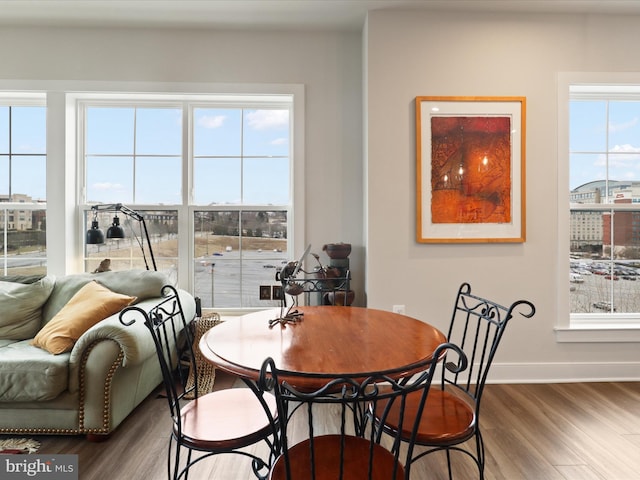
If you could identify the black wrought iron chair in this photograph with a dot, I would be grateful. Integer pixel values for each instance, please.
(452, 412)
(223, 421)
(314, 449)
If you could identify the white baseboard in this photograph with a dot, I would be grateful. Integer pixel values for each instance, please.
(564, 372)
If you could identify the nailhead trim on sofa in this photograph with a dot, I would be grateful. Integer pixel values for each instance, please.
(106, 415)
(106, 412)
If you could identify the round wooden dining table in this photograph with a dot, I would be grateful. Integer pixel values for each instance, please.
(327, 339)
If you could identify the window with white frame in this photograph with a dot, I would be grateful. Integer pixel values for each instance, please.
(604, 198)
(212, 177)
(23, 162)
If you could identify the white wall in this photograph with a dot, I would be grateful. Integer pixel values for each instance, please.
(328, 64)
(412, 54)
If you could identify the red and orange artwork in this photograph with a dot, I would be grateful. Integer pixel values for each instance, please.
(470, 169)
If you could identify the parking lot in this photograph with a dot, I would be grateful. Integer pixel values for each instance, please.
(218, 278)
(596, 288)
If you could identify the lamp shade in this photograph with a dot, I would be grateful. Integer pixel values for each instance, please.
(94, 234)
(115, 230)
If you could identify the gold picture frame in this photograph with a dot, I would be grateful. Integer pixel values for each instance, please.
(470, 169)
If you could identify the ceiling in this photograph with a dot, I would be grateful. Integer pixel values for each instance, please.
(267, 14)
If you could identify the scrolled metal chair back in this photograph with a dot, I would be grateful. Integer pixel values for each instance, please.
(477, 326)
(353, 400)
(173, 342)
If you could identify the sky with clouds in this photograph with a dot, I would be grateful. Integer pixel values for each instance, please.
(221, 137)
(597, 128)
(262, 137)
(154, 136)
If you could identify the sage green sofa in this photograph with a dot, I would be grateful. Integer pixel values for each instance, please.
(90, 390)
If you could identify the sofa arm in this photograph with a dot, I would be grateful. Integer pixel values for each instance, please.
(134, 341)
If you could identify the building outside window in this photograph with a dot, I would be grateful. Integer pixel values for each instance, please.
(23, 161)
(211, 175)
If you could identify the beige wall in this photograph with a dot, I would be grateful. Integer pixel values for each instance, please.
(420, 53)
(360, 187)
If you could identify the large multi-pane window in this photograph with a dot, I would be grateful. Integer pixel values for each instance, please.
(23, 163)
(604, 195)
(212, 179)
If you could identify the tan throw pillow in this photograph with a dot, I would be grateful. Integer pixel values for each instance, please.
(91, 304)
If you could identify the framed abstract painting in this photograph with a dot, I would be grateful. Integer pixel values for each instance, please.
(470, 158)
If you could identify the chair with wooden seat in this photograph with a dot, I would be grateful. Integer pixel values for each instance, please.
(324, 430)
(452, 412)
(220, 422)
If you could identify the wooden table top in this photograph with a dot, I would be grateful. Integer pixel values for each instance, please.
(329, 339)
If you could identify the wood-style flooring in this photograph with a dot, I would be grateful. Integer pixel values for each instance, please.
(572, 431)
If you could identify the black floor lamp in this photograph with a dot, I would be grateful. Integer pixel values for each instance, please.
(95, 235)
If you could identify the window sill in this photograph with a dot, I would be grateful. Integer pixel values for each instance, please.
(594, 333)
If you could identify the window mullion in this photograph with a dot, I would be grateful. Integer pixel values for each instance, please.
(134, 146)
(186, 232)
(10, 152)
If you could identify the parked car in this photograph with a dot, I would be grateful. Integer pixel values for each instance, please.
(612, 277)
(604, 306)
(575, 278)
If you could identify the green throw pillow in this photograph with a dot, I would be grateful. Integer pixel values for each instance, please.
(21, 307)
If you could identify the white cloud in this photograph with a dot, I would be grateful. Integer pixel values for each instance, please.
(212, 122)
(279, 141)
(104, 186)
(261, 119)
(626, 148)
(623, 126)
(28, 148)
(632, 155)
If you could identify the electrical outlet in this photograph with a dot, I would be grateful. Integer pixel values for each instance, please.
(265, 292)
(398, 309)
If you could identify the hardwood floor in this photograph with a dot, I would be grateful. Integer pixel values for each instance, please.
(582, 431)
